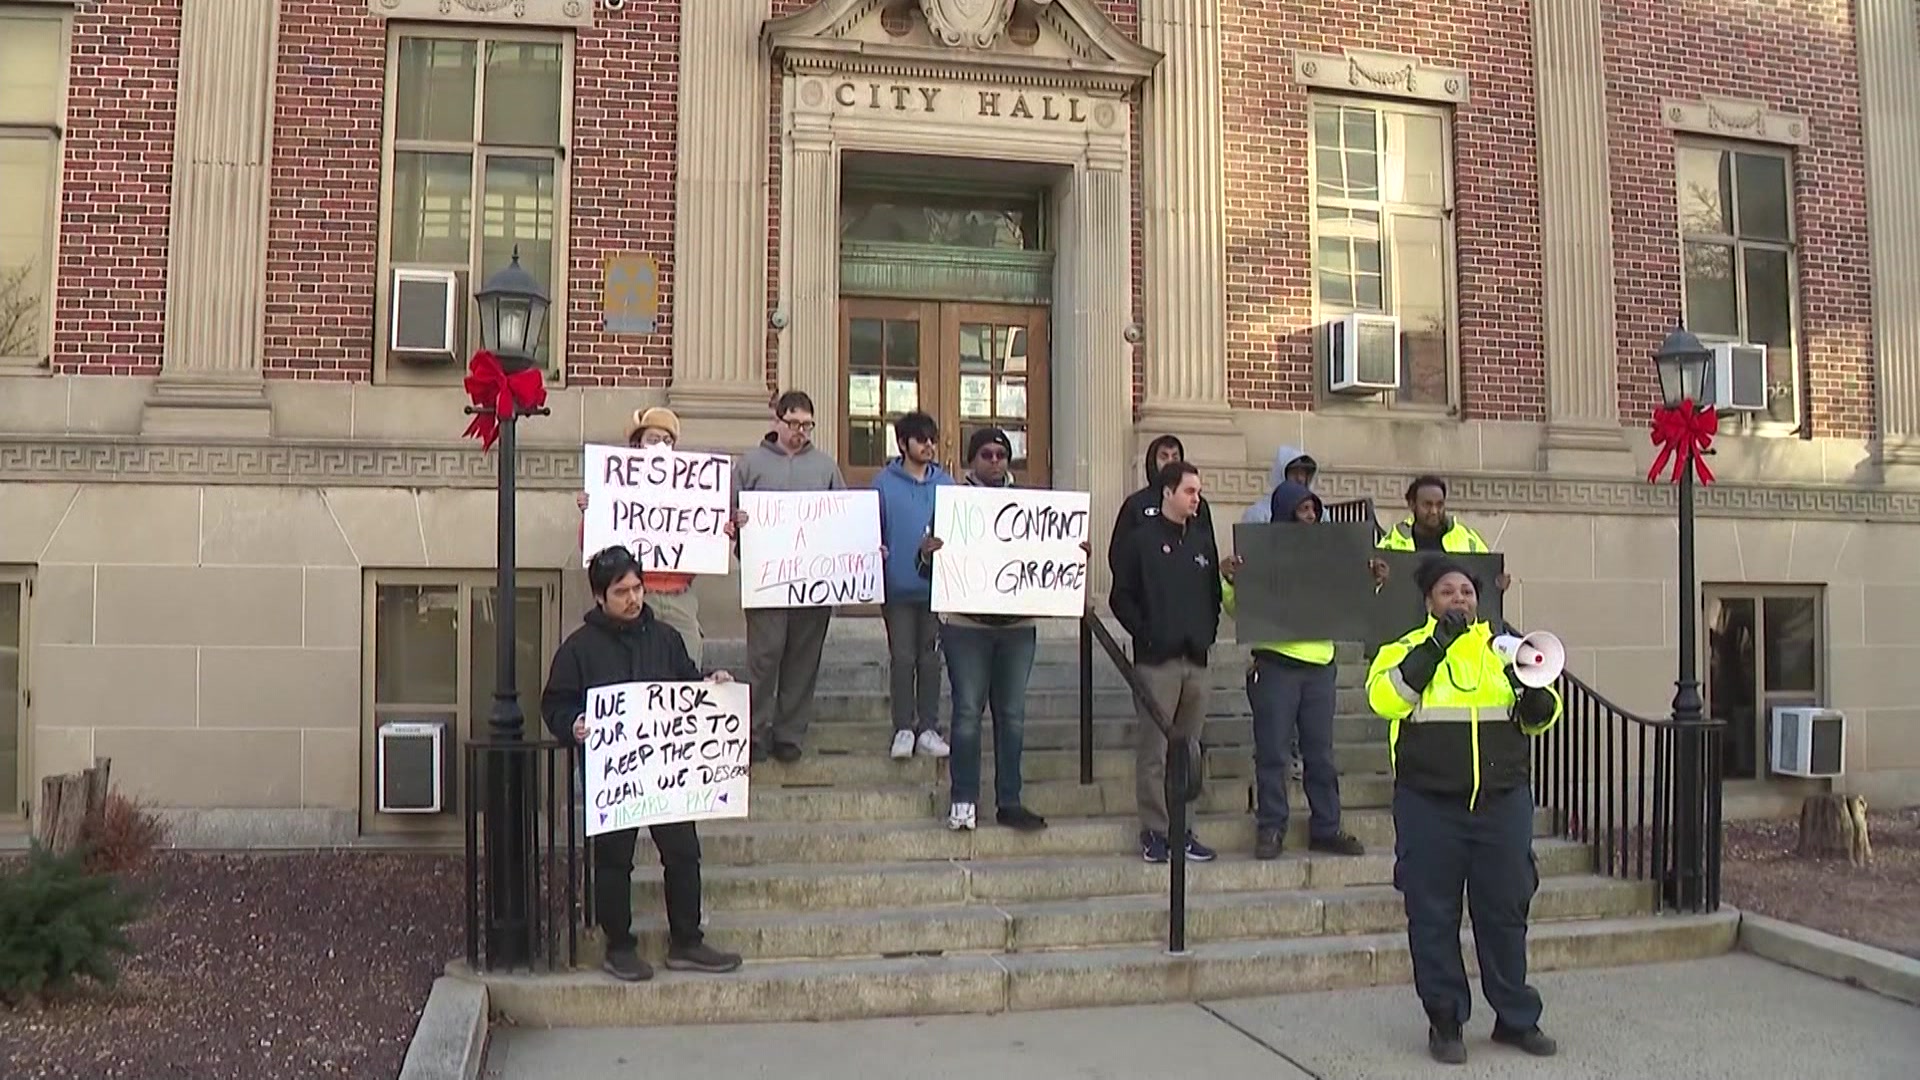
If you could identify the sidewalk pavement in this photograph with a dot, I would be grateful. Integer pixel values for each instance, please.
(1735, 1017)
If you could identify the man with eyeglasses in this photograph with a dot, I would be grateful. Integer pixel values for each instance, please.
(784, 644)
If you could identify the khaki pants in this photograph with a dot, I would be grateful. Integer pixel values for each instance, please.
(682, 612)
(1180, 688)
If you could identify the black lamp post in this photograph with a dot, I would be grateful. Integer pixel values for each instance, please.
(513, 311)
(1683, 362)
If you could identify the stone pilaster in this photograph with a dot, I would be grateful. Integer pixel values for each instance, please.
(1185, 230)
(810, 267)
(1889, 51)
(1576, 225)
(210, 380)
(720, 213)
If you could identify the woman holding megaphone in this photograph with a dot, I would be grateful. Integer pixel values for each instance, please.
(1460, 722)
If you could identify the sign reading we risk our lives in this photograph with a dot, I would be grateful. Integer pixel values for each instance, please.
(668, 507)
(1010, 551)
(660, 752)
(810, 549)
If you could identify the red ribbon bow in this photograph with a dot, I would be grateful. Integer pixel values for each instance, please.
(1683, 435)
(499, 394)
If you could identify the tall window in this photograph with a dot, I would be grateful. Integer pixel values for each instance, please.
(33, 67)
(476, 169)
(1765, 649)
(14, 591)
(430, 656)
(1382, 230)
(1737, 245)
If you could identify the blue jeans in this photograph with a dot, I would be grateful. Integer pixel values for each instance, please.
(1294, 702)
(988, 666)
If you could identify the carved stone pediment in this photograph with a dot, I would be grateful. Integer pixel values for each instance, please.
(1052, 40)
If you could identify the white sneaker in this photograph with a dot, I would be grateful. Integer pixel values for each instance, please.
(902, 745)
(932, 745)
(963, 816)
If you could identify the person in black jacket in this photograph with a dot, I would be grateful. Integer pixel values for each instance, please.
(1166, 593)
(622, 642)
(1144, 505)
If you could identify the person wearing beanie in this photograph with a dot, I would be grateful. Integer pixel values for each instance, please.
(1460, 725)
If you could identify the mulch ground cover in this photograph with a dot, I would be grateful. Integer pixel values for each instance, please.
(257, 967)
(1877, 904)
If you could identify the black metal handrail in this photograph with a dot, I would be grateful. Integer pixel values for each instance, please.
(543, 907)
(1179, 764)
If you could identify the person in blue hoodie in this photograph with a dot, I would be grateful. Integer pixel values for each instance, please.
(906, 488)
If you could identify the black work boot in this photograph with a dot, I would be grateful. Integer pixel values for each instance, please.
(1532, 1040)
(1267, 844)
(1446, 1044)
(626, 965)
(701, 957)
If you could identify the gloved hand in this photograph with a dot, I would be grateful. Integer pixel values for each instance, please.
(1448, 628)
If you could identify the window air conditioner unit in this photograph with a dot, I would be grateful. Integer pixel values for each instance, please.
(426, 315)
(1739, 377)
(1363, 354)
(410, 766)
(1809, 742)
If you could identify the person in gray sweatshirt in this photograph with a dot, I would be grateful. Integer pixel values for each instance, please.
(784, 644)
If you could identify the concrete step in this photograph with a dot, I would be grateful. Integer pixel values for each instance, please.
(870, 767)
(844, 703)
(996, 982)
(1063, 733)
(1054, 650)
(756, 843)
(1140, 919)
(1113, 795)
(818, 888)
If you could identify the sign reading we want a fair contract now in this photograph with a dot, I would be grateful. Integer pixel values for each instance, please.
(1010, 551)
(810, 549)
(668, 507)
(660, 752)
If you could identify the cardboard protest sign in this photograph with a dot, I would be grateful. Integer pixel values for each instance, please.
(668, 507)
(660, 752)
(1008, 551)
(810, 549)
(1399, 607)
(1303, 582)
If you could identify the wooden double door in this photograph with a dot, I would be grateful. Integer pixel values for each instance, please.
(969, 366)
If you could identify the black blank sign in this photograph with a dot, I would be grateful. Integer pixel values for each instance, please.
(1311, 582)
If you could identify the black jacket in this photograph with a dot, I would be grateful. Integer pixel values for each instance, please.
(604, 652)
(1144, 506)
(1166, 590)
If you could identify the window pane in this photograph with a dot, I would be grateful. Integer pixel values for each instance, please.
(1792, 628)
(517, 203)
(1705, 192)
(1770, 323)
(1420, 299)
(1762, 185)
(526, 661)
(1416, 160)
(1711, 308)
(523, 91)
(432, 208)
(433, 90)
(1732, 678)
(26, 191)
(1348, 257)
(416, 645)
(31, 65)
(10, 646)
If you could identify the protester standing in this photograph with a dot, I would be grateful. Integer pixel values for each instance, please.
(906, 488)
(621, 641)
(1144, 505)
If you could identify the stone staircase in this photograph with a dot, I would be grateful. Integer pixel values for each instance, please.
(850, 898)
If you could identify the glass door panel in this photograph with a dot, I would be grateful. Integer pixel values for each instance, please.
(891, 367)
(997, 367)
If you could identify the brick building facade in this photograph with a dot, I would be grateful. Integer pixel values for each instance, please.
(225, 481)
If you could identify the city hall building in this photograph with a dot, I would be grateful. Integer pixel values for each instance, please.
(239, 241)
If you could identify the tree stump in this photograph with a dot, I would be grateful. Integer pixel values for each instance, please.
(1835, 826)
(68, 804)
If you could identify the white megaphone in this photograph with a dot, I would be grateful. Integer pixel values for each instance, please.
(1537, 659)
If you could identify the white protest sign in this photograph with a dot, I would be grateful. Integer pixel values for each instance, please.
(1010, 551)
(660, 752)
(810, 549)
(668, 507)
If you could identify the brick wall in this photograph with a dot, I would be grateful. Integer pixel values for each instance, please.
(110, 304)
(1497, 232)
(323, 237)
(1797, 56)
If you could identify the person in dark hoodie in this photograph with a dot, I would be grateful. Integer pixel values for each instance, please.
(1144, 505)
(620, 642)
(1290, 687)
(906, 488)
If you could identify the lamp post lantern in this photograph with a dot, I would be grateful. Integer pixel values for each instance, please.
(513, 311)
(1683, 363)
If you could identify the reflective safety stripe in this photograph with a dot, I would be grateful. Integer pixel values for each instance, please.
(1407, 693)
(1459, 714)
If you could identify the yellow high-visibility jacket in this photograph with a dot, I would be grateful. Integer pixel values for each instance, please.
(1459, 539)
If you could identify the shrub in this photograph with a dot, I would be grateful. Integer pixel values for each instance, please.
(60, 924)
(124, 837)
